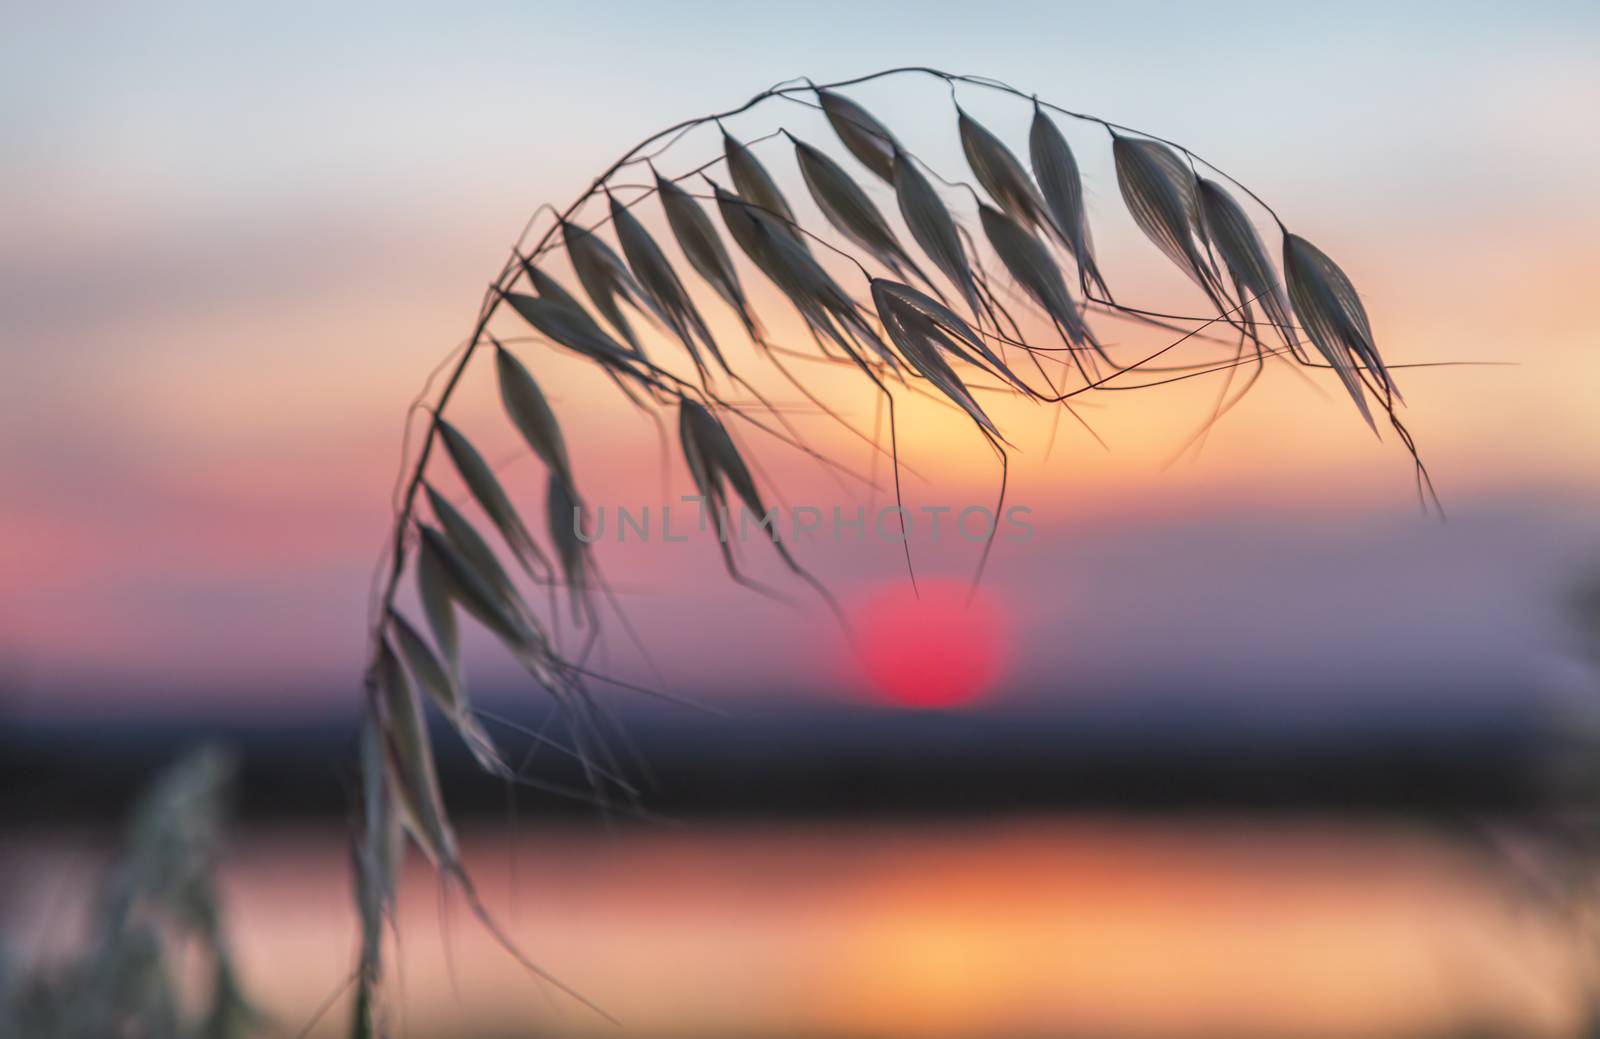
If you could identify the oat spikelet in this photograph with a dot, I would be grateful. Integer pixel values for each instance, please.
(933, 227)
(1161, 193)
(1061, 185)
(703, 248)
(1240, 249)
(866, 138)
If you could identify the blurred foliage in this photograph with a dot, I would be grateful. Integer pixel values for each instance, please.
(156, 909)
(1584, 604)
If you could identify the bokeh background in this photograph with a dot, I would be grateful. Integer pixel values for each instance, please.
(234, 241)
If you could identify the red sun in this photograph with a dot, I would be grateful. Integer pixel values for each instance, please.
(935, 651)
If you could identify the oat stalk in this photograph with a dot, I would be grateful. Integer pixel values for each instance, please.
(933, 311)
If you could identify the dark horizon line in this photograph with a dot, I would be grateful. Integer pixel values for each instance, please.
(831, 762)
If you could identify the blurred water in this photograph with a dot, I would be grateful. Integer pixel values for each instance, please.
(1067, 926)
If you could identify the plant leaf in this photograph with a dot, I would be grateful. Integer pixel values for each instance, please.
(721, 457)
(561, 507)
(447, 694)
(1031, 264)
(716, 465)
(1332, 315)
(410, 759)
(1001, 175)
(1160, 191)
(548, 288)
(756, 186)
(511, 622)
(574, 329)
(424, 666)
(485, 487)
(848, 208)
(377, 865)
(434, 590)
(921, 343)
(824, 305)
(474, 550)
(959, 337)
(932, 226)
(604, 277)
(1061, 187)
(703, 247)
(530, 412)
(662, 286)
(375, 861)
(700, 470)
(467, 587)
(1236, 242)
(484, 567)
(865, 138)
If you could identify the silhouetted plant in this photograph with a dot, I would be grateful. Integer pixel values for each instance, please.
(158, 897)
(914, 310)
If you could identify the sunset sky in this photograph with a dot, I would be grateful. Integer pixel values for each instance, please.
(234, 243)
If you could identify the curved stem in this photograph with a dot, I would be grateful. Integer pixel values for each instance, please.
(510, 271)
